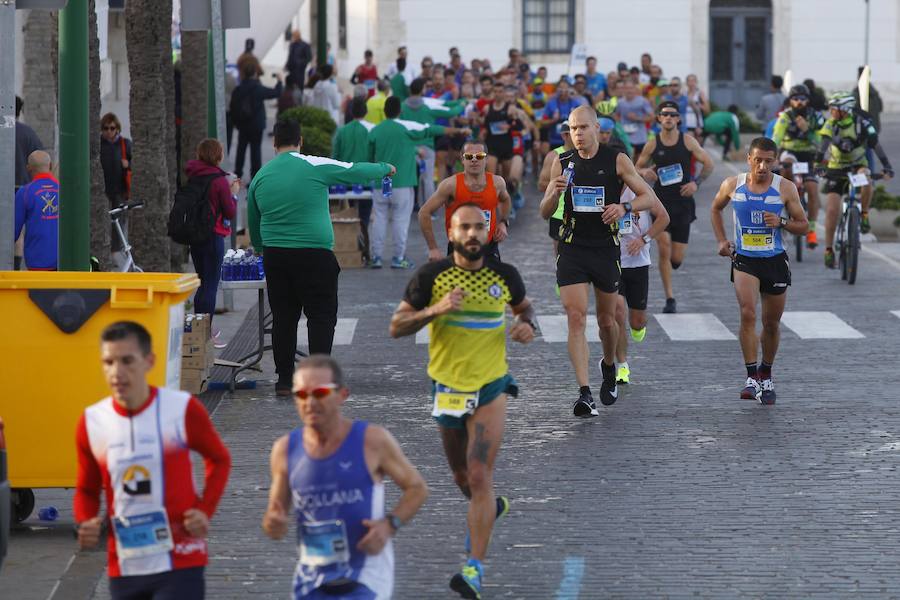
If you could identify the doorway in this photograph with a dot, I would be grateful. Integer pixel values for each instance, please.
(740, 51)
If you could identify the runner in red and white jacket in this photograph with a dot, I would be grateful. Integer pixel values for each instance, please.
(135, 447)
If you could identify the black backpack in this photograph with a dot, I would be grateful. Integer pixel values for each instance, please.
(241, 106)
(191, 220)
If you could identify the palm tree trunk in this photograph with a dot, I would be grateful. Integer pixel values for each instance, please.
(148, 32)
(100, 229)
(193, 92)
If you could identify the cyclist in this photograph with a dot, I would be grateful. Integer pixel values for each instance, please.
(847, 134)
(796, 134)
(759, 264)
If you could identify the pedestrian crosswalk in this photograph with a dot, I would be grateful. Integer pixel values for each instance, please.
(679, 327)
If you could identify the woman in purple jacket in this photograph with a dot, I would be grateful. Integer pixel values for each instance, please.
(208, 256)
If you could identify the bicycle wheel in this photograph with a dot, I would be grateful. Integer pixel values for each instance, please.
(840, 246)
(852, 244)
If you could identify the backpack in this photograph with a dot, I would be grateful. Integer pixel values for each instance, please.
(191, 219)
(241, 107)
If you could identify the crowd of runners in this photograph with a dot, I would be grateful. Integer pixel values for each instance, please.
(618, 158)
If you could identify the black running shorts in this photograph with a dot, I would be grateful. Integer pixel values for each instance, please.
(682, 212)
(634, 285)
(774, 273)
(584, 264)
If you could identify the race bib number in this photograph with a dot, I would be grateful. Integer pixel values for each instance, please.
(498, 127)
(670, 174)
(324, 543)
(859, 179)
(800, 168)
(588, 198)
(453, 403)
(757, 239)
(630, 127)
(143, 535)
(626, 224)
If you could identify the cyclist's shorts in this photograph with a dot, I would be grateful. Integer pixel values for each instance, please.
(801, 157)
(773, 272)
(487, 394)
(836, 180)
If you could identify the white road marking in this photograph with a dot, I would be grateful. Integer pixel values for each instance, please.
(423, 336)
(343, 332)
(819, 325)
(693, 327)
(896, 313)
(555, 328)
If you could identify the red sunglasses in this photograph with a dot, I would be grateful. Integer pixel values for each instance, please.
(317, 393)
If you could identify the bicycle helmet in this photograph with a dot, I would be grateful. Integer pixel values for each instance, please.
(843, 101)
(799, 90)
(605, 107)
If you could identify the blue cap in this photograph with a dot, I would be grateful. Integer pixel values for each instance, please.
(607, 124)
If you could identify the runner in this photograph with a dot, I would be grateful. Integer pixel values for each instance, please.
(759, 265)
(464, 298)
(135, 447)
(673, 154)
(589, 244)
(500, 118)
(635, 113)
(847, 134)
(635, 235)
(331, 470)
(796, 135)
(555, 219)
(473, 185)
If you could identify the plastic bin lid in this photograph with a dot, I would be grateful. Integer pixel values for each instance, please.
(172, 283)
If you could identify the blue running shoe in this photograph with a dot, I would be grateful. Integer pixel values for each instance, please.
(402, 263)
(518, 201)
(467, 583)
(375, 263)
(767, 396)
(502, 511)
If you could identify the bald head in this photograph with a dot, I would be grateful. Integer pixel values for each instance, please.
(38, 162)
(584, 129)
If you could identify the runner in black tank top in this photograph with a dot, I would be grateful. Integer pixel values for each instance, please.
(595, 185)
(673, 154)
(499, 132)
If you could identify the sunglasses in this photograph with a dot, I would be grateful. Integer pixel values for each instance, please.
(476, 156)
(674, 115)
(800, 98)
(110, 128)
(318, 393)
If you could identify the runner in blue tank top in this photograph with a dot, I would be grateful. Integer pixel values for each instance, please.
(764, 204)
(331, 472)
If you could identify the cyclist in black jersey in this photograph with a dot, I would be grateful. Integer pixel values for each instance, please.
(589, 243)
(672, 154)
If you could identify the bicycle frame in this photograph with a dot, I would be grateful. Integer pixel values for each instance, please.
(128, 265)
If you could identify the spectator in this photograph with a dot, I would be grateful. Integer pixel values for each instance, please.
(394, 142)
(299, 57)
(698, 107)
(770, 104)
(816, 96)
(248, 112)
(399, 85)
(375, 104)
(247, 57)
(876, 106)
(402, 67)
(288, 98)
(37, 209)
(359, 91)
(635, 113)
(326, 94)
(231, 81)
(351, 145)
(726, 127)
(207, 257)
(27, 141)
(596, 81)
(115, 158)
(366, 74)
(288, 219)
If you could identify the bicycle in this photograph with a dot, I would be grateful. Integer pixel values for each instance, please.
(795, 171)
(847, 236)
(128, 264)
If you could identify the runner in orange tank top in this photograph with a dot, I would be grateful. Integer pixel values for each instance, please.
(474, 184)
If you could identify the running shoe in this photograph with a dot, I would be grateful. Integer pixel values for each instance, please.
(623, 375)
(670, 306)
(639, 334)
(585, 407)
(751, 390)
(767, 396)
(502, 511)
(518, 200)
(467, 583)
(811, 240)
(375, 263)
(829, 258)
(402, 263)
(609, 392)
(217, 340)
(864, 225)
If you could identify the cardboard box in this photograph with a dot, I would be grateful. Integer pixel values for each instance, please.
(198, 361)
(197, 331)
(194, 380)
(346, 235)
(349, 260)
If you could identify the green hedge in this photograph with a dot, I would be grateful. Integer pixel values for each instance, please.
(316, 142)
(884, 200)
(310, 117)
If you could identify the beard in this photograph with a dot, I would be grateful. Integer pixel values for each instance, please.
(466, 252)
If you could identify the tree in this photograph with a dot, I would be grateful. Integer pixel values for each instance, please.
(193, 92)
(148, 39)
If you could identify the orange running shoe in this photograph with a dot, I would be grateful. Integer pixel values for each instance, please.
(811, 240)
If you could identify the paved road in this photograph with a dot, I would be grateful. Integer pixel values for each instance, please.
(679, 490)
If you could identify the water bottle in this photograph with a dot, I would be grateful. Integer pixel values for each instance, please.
(357, 188)
(237, 261)
(569, 173)
(227, 263)
(48, 513)
(260, 271)
(387, 187)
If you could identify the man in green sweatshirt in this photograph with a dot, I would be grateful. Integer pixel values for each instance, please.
(416, 109)
(351, 144)
(726, 127)
(287, 213)
(394, 141)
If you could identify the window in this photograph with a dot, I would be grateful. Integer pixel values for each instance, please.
(548, 26)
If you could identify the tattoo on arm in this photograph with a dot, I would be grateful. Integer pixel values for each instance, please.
(480, 446)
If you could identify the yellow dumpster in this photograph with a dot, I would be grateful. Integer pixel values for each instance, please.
(50, 325)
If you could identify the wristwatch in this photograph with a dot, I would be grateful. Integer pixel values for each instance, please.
(394, 521)
(528, 322)
(784, 221)
(627, 206)
(646, 237)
